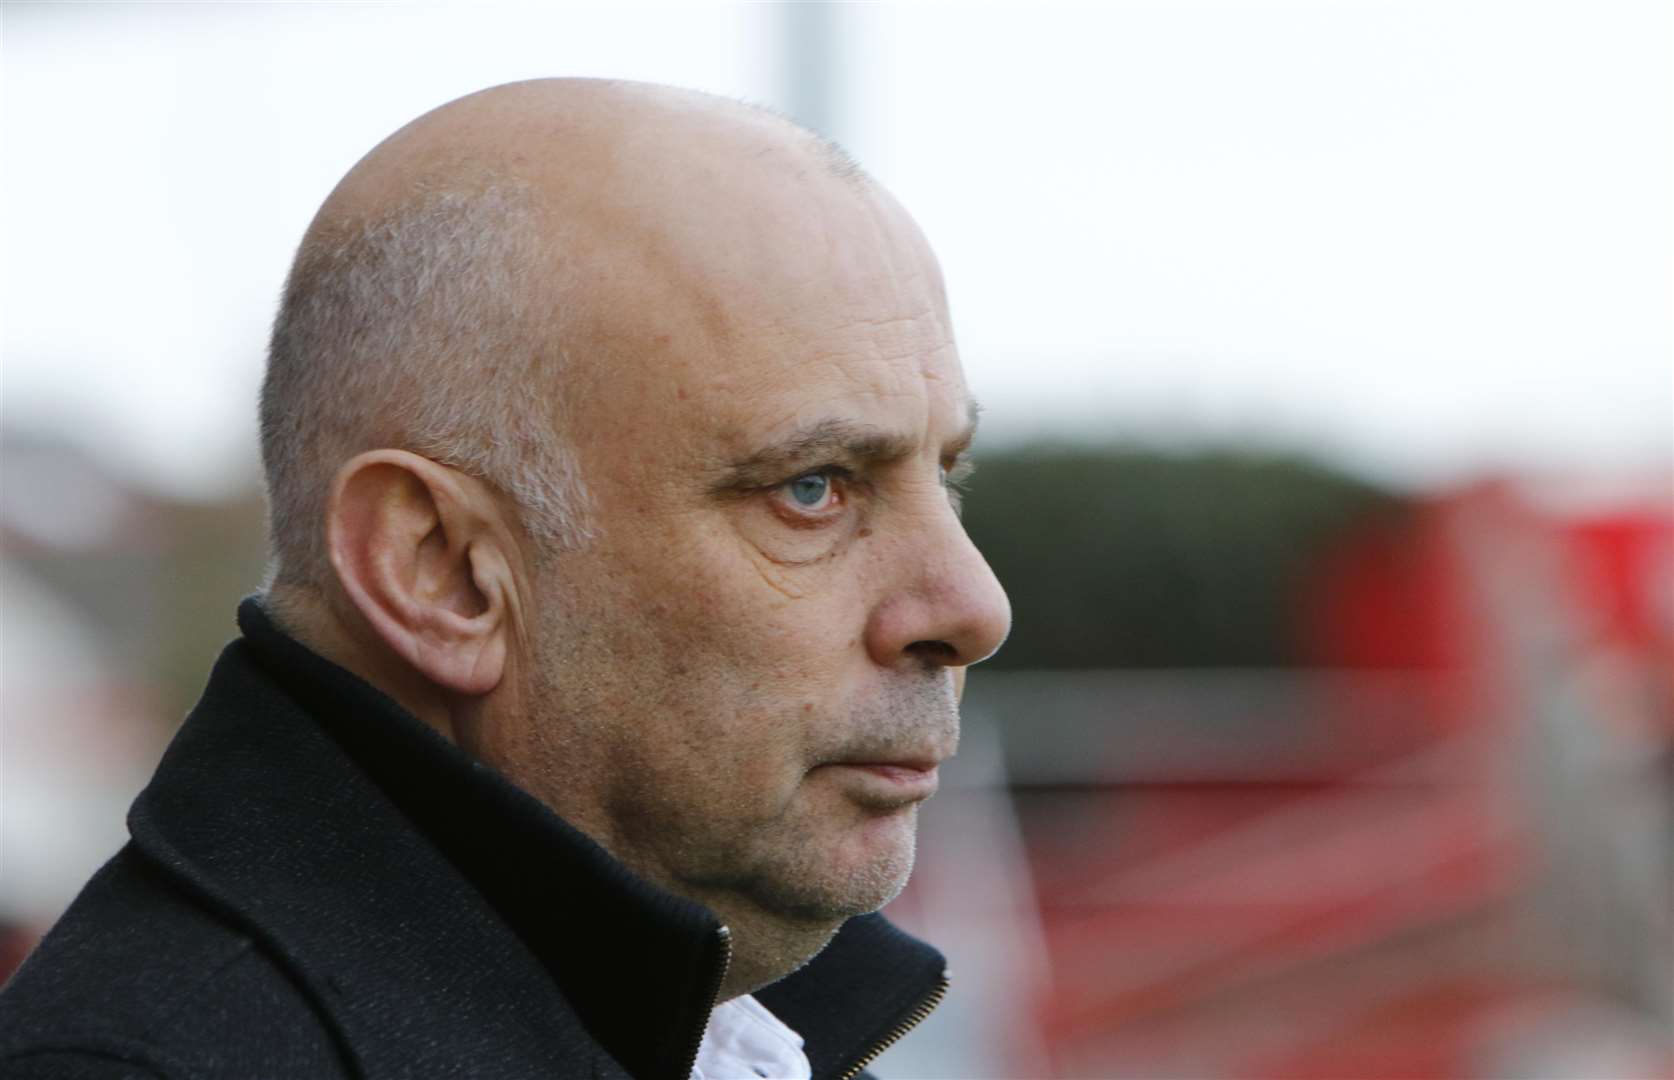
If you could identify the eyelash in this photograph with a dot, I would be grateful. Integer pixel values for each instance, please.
(955, 479)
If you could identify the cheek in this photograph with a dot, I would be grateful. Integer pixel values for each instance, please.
(714, 753)
(716, 594)
(741, 673)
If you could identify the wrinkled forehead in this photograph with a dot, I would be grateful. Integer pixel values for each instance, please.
(764, 296)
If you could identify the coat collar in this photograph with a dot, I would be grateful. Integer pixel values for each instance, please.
(442, 915)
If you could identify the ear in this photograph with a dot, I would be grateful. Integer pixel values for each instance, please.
(417, 551)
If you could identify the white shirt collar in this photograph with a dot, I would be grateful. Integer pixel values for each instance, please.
(744, 1041)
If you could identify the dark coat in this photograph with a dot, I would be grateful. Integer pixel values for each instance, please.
(319, 886)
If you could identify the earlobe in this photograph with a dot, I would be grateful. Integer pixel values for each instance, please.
(414, 552)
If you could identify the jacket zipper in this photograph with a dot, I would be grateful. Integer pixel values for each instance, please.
(724, 935)
(924, 1008)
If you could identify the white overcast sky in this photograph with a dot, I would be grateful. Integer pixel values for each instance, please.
(1422, 239)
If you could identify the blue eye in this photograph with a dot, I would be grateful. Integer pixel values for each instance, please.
(810, 489)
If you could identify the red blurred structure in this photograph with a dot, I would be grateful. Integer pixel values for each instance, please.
(1481, 891)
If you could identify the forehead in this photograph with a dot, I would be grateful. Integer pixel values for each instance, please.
(813, 301)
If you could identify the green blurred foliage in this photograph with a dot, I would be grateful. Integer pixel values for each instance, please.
(1121, 557)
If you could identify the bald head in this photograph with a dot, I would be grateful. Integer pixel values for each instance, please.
(578, 141)
(457, 291)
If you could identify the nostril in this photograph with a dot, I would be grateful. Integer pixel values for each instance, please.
(934, 653)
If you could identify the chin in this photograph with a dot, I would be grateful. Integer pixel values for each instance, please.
(859, 879)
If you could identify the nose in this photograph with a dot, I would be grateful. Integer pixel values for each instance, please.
(939, 604)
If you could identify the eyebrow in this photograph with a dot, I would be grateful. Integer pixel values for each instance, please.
(833, 440)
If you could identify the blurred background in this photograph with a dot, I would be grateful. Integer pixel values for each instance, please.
(1328, 356)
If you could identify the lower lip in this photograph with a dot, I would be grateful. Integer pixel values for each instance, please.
(898, 781)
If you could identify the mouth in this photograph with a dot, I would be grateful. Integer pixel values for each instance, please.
(887, 784)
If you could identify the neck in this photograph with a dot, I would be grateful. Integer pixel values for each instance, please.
(765, 947)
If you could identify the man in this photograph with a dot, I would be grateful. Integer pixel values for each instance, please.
(611, 644)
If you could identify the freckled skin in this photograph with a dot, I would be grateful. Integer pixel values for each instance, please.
(690, 676)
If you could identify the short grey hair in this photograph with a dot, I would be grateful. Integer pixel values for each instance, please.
(421, 329)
